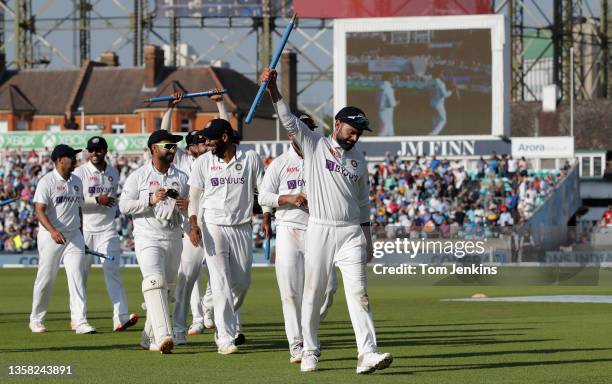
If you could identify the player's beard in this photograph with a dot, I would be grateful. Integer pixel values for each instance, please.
(97, 159)
(166, 158)
(218, 149)
(343, 142)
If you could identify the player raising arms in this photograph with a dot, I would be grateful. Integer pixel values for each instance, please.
(284, 188)
(156, 196)
(338, 227)
(57, 201)
(190, 270)
(100, 182)
(225, 179)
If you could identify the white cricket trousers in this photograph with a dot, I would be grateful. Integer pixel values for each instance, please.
(439, 120)
(201, 304)
(188, 286)
(158, 257)
(343, 246)
(229, 256)
(50, 255)
(385, 116)
(289, 267)
(108, 244)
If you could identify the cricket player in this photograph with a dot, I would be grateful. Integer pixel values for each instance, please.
(338, 227)
(100, 183)
(57, 202)
(156, 197)
(284, 188)
(190, 270)
(386, 106)
(225, 179)
(439, 94)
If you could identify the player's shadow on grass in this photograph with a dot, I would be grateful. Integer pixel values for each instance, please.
(395, 342)
(499, 353)
(96, 347)
(460, 367)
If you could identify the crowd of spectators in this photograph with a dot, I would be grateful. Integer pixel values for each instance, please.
(426, 197)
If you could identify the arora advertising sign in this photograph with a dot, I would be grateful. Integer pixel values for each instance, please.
(543, 147)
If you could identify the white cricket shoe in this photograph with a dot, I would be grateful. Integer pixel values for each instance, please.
(37, 327)
(85, 328)
(228, 349)
(196, 329)
(296, 353)
(179, 338)
(145, 340)
(310, 362)
(132, 320)
(209, 319)
(147, 343)
(166, 346)
(372, 361)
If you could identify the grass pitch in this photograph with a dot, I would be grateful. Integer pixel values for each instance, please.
(433, 341)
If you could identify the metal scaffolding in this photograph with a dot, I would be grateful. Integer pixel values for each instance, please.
(563, 24)
(30, 26)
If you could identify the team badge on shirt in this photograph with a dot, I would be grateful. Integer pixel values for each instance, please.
(76, 188)
(238, 167)
(354, 163)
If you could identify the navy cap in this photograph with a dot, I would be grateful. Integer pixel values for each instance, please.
(354, 117)
(162, 135)
(63, 150)
(96, 142)
(195, 137)
(309, 121)
(216, 128)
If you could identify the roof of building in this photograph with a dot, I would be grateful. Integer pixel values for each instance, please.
(48, 91)
(117, 90)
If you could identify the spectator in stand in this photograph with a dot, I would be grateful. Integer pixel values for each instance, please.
(606, 218)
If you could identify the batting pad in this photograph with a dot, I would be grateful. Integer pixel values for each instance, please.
(155, 294)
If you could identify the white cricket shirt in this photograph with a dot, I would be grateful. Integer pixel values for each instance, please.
(285, 176)
(62, 198)
(227, 189)
(139, 186)
(98, 218)
(337, 182)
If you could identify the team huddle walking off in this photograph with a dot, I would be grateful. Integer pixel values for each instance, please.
(194, 206)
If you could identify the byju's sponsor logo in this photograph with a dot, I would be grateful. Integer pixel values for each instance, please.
(333, 167)
(99, 189)
(67, 199)
(216, 181)
(293, 184)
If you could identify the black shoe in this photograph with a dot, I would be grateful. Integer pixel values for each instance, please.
(240, 339)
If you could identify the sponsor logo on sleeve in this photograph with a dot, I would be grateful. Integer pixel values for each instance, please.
(294, 184)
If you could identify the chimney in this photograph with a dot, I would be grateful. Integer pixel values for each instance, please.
(289, 77)
(109, 58)
(154, 64)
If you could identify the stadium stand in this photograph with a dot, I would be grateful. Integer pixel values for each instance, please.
(422, 198)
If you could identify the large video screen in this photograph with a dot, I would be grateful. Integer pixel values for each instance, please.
(428, 76)
(421, 82)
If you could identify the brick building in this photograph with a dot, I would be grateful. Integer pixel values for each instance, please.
(103, 96)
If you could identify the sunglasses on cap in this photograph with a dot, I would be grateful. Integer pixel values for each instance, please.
(358, 119)
(167, 146)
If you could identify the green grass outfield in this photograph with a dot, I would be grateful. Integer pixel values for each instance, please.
(433, 341)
